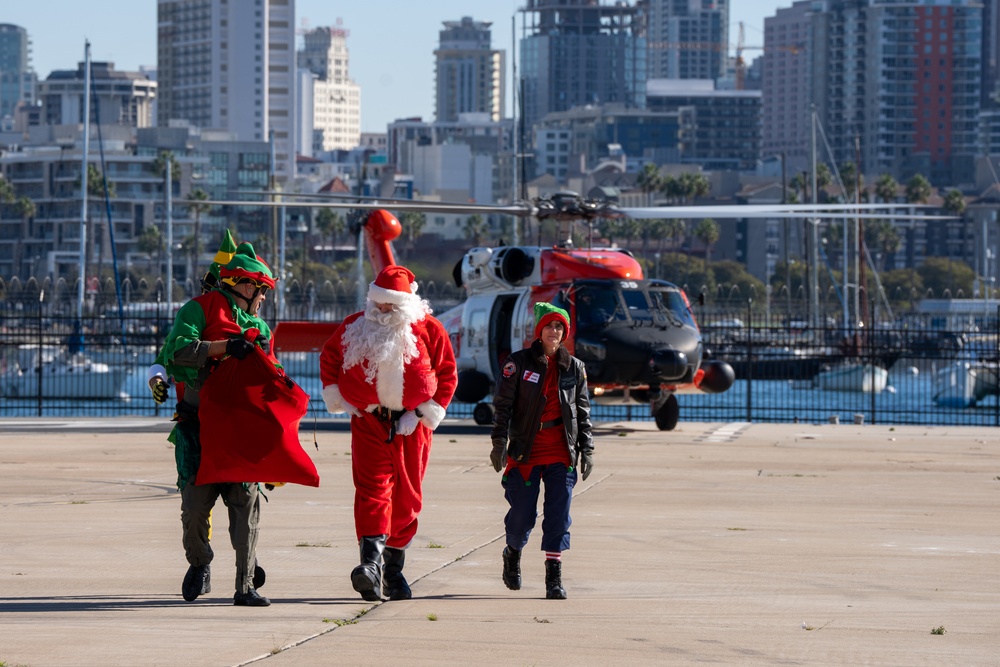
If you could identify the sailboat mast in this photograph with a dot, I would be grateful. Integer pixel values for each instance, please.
(81, 289)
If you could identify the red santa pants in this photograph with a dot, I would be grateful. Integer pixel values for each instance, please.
(387, 479)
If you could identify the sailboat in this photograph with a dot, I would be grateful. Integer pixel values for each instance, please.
(47, 371)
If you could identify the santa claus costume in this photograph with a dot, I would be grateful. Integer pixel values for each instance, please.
(392, 368)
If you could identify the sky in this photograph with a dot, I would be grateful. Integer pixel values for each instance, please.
(391, 42)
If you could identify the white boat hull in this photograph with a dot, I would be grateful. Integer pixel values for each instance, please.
(864, 378)
(78, 378)
(963, 384)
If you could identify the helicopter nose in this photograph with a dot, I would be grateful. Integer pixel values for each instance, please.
(668, 364)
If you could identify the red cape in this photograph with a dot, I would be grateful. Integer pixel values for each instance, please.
(249, 414)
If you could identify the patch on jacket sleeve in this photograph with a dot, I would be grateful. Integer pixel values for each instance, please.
(508, 369)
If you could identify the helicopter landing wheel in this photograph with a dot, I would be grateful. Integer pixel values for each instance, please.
(482, 414)
(667, 415)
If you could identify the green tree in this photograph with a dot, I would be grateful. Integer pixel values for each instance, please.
(413, 224)
(883, 237)
(151, 242)
(26, 210)
(330, 224)
(886, 188)
(694, 186)
(98, 189)
(940, 274)
(730, 274)
(475, 229)
(160, 166)
(707, 231)
(918, 190)
(649, 180)
(198, 197)
(954, 203)
(7, 194)
(903, 287)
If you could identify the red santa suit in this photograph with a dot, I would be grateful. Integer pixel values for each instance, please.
(395, 379)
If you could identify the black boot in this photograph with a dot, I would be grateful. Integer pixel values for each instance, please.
(250, 599)
(197, 581)
(367, 577)
(393, 582)
(512, 568)
(553, 580)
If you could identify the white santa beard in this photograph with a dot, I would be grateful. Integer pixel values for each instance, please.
(384, 342)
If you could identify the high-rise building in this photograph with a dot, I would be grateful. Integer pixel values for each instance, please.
(336, 99)
(905, 80)
(688, 39)
(470, 74)
(230, 66)
(580, 52)
(791, 82)
(117, 98)
(17, 80)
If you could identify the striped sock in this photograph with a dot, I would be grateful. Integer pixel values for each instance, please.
(553, 555)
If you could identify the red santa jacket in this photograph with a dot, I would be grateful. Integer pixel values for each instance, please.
(429, 380)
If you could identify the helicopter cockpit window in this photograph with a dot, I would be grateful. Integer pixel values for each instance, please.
(638, 307)
(595, 306)
(670, 304)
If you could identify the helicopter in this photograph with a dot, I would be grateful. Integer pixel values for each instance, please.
(637, 337)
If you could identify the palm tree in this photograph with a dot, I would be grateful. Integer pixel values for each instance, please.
(649, 180)
(475, 228)
(330, 224)
(918, 190)
(886, 188)
(7, 194)
(96, 189)
(954, 203)
(694, 186)
(674, 232)
(198, 196)
(413, 225)
(150, 241)
(25, 208)
(707, 231)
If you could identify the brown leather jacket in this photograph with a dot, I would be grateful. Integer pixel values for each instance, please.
(518, 402)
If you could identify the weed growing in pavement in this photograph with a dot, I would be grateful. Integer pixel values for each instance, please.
(939, 630)
(432, 617)
(435, 545)
(313, 544)
(340, 622)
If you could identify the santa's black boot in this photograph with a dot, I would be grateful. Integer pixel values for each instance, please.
(367, 577)
(553, 580)
(512, 568)
(393, 582)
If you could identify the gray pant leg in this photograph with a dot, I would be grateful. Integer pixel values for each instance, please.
(244, 518)
(196, 508)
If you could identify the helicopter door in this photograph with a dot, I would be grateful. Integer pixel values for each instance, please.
(500, 330)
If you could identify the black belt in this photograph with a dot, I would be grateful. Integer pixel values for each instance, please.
(553, 423)
(390, 416)
(384, 414)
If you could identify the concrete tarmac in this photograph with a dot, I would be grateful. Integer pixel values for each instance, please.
(726, 544)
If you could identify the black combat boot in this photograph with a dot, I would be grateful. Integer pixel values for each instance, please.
(512, 568)
(250, 599)
(367, 577)
(197, 581)
(393, 582)
(553, 580)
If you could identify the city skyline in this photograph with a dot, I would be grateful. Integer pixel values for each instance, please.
(391, 86)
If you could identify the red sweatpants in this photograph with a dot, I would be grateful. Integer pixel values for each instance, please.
(387, 479)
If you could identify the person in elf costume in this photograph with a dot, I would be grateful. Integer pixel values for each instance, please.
(159, 385)
(391, 367)
(207, 330)
(541, 430)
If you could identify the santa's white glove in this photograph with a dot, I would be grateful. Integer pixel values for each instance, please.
(407, 423)
(431, 413)
(335, 401)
